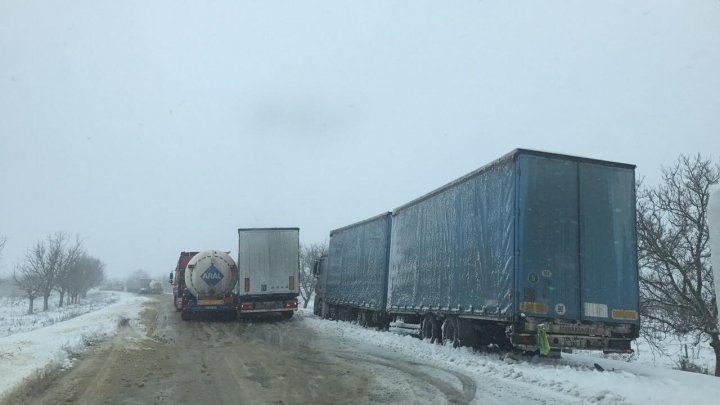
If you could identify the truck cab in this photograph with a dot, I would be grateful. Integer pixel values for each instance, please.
(178, 282)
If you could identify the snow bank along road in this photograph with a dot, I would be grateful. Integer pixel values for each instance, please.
(178, 362)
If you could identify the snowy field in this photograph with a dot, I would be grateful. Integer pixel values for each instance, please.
(15, 319)
(30, 344)
(574, 378)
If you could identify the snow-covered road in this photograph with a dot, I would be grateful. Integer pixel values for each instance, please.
(402, 368)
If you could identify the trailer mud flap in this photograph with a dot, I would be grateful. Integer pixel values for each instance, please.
(542, 340)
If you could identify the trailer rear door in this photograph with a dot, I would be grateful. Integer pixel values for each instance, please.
(608, 260)
(576, 240)
(548, 276)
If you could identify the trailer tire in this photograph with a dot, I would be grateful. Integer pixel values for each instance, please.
(430, 329)
(450, 334)
(287, 314)
(185, 316)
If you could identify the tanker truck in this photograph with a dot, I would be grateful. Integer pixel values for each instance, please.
(203, 283)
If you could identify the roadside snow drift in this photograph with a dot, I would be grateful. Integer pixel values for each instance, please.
(575, 378)
(24, 354)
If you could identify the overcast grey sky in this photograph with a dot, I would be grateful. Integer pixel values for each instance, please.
(152, 127)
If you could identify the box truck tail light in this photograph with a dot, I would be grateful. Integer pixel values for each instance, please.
(247, 285)
(291, 304)
(248, 305)
(291, 283)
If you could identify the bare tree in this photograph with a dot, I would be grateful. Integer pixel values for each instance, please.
(69, 254)
(309, 254)
(48, 261)
(85, 273)
(676, 282)
(58, 257)
(27, 275)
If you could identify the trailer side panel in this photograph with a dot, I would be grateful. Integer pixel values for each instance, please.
(356, 269)
(452, 251)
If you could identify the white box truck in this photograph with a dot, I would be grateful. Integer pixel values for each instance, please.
(268, 261)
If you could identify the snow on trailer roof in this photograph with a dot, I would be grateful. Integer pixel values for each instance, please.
(267, 229)
(512, 156)
(364, 221)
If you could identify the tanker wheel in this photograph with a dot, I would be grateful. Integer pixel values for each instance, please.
(450, 334)
(185, 316)
(288, 314)
(362, 318)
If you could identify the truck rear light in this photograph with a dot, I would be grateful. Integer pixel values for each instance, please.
(248, 305)
(291, 304)
(247, 285)
(291, 283)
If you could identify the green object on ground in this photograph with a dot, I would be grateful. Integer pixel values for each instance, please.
(542, 340)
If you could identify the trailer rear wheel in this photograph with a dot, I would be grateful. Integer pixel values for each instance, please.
(430, 329)
(450, 334)
(288, 314)
(185, 316)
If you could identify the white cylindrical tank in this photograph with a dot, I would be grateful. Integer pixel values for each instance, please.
(211, 273)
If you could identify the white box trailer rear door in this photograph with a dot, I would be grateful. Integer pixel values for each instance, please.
(268, 260)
